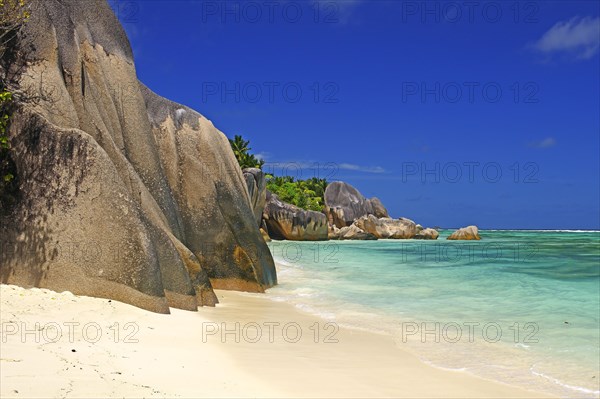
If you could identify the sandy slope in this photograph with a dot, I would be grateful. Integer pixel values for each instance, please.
(189, 354)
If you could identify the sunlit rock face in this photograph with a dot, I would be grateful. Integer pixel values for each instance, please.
(288, 222)
(427, 234)
(465, 233)
(387, 227)
(344, 204)
(121, 193)
(352, 232)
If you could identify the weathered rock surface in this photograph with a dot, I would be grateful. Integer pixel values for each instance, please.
(122, 193)
(335, 216)
(288, 222)
(352, 232)
(257, 189)
(263, 230)
(265, 235)
(427, 234)
(465, 233)
(387, 227)
(378, 208)
(344, 204)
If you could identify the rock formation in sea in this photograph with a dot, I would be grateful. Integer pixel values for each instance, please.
(427, 234)
(465, 233)
(288, 222)
(387, 227)
(349, 216)
(122, 194)
(352, 232)
(344, 204)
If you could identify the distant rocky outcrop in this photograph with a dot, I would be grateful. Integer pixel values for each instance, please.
(427, 234)
(344, 204)
(257, 189)
(465, 233)
(288, 222)
(122, 194)
(387, 227)
(352, 232)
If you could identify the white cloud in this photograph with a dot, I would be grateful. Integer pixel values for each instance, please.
(262, 156)
(306, 169)
(545, 143)
(366, 169)
(577, 37)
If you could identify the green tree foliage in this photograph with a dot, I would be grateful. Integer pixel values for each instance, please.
(306, 194)
(242, 153)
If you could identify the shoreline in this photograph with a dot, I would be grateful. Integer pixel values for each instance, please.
(530, 356)
(189, 354)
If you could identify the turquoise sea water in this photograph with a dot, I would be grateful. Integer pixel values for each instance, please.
(521, 307)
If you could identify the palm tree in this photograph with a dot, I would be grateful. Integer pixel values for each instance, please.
(241, 150)
(239, 146)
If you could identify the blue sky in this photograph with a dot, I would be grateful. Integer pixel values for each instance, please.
(452, 113)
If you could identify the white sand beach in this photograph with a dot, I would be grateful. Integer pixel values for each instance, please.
(90, 347)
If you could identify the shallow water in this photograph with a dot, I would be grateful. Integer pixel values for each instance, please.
(521, 307)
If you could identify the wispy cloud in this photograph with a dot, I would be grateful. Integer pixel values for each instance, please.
(366, 169)
(303, 169)
(545, 143)
(264, 156)
(578, 38)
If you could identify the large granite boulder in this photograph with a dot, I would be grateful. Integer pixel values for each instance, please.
(387, 227)
(335, 216)
(427, 234)
(465, 233)
(378, 208)
(288, 222)
(121, 193)
(257, 189)
(344, 204)
(352, 232)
